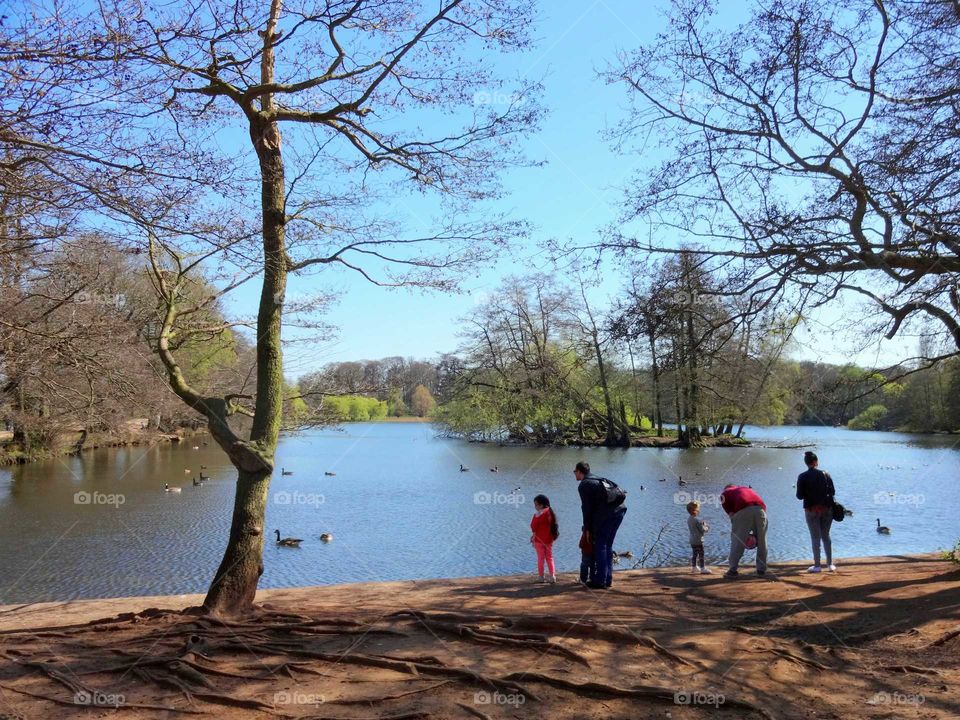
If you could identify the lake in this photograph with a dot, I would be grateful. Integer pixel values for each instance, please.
(100, 525)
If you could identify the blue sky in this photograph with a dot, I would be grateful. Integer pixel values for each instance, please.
(572, 196)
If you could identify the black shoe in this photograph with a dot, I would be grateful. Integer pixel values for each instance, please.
(597, 586)
(731, 574)
(761, 573)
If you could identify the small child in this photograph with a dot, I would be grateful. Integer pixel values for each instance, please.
(698, 528)
(545, 531)
(586, 560)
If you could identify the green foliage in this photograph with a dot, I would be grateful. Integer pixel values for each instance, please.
(953, 554)
(422, 402)
(869, 419)
(473, 415)
(645, 424)
(396, 407)
(356, 408)
(892, 390)
(295, 410)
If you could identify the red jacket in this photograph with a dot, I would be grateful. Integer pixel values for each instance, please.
(540, 525)
(735, 499)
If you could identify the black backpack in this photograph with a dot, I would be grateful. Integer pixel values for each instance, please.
(838, 511)
(614, 493)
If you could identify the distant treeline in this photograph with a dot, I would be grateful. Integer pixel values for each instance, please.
(540, 365)
(373, 389)
(796, 393)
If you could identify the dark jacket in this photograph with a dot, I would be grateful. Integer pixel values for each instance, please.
(815, 488)
(593, 502)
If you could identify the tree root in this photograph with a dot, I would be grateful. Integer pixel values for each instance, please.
(190, 654)
(370, 701)
(637, 691)
(413, 667)
(73, 703)
(592, 630)
(910, 669)
(458, 623)
(944, 639)
(493, 637)
(474, 711)
(415, 715)
(876, 633)
(787, 655)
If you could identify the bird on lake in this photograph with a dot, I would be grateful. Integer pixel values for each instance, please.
(681, 482)
(196, 447)
(167, 488)
(186, 471)
(495, 468)
(641, 487)
(203, 467)
(326, 537)
(625, 554)
(663, 479)
(197, 483)
(286, 472)
(464, 469)
(882, 529)
(203, 477)
(329, 474)
(287, 542)
(516, 489)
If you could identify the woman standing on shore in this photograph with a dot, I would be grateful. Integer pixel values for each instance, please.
(815, 488)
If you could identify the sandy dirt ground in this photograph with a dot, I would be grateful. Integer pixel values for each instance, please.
(880, 638)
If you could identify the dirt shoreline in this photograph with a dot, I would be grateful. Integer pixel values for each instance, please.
(880, 638)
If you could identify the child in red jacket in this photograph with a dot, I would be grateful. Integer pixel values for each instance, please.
(545, 531)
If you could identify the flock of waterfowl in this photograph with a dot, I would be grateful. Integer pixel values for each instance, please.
(292, 542)
(295, 542)
(281, 541)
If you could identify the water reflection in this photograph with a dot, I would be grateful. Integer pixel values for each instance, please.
(398, 507)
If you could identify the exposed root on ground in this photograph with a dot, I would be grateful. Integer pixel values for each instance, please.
(192, 662)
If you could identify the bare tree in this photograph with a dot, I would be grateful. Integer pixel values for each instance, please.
(334, 73)
(813, 149)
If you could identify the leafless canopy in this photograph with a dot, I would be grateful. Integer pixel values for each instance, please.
(812, 149)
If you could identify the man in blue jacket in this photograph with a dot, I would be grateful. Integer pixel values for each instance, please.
(601, 520)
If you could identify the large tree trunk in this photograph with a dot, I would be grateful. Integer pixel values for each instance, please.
(235, 585)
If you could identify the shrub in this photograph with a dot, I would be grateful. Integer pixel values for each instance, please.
(869, 419)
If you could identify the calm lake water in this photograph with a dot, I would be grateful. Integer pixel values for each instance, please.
(399, 508)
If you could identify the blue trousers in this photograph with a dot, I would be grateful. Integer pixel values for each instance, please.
(586, 565)
(603, 535)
